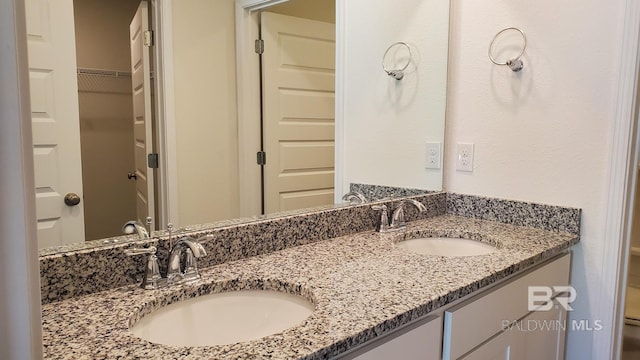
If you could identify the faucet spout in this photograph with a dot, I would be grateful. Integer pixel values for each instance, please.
(183, 257)
(398, 221)
(134, 227)
(354, 198)
(420, 206)
(194, 245)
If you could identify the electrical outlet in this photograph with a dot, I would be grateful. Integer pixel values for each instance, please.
(464, 157)
(432, 155)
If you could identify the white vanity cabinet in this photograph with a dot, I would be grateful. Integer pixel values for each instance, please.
(493, 325)
(499, 325)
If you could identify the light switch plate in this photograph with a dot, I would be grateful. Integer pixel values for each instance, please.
(464, 157)
(433, 155)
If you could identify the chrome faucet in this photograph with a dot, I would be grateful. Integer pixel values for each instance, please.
(183, 259)
(134, 227)
(354, 198)
(182, 264)
(398, 221)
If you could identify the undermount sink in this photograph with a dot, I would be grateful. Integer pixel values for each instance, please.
(223, 318)
(446, 246)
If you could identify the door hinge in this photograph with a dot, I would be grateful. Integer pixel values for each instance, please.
(262, 158)
(152, 161)
(259, 46)
(148, 38)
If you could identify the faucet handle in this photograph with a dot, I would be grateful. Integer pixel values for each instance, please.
(170, 232)
(384, 217)
(151, 278)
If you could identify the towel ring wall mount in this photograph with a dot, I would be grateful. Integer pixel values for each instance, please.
(397, 72)
(516, 63)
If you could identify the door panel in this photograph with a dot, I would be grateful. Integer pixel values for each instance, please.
(298, 69)
(305, 199)
(298, 156)
(142, 115)
(55, 120)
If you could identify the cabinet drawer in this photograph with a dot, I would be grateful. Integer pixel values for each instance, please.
(421, 340)
(473, 322)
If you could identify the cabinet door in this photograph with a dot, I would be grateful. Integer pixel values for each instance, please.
(420, 341)
(543, 334)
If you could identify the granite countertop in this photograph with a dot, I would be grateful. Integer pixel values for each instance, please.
(362, 286)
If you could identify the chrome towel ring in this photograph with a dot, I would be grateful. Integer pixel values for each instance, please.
(516, 63)
(396, 73)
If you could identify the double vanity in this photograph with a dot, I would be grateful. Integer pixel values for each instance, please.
(325, 284)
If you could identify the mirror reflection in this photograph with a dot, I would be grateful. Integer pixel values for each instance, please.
(219, 157)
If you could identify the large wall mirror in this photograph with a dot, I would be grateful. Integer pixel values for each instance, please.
(316, 108)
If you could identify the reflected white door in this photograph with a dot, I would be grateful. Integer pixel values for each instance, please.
(142, 115)
(298, 70)
(55, 120)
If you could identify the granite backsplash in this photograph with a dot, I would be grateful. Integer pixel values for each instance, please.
(75, 273)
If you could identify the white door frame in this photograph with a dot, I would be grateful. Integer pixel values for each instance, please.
(20, 320)
(622, 179)
(164, 111)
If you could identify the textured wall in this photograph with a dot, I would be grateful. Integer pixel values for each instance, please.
(541, 135)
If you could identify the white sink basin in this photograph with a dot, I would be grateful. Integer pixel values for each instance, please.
(444, 246)
(223, 318)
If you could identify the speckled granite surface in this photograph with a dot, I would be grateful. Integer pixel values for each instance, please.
(541, 216)
(83, 271)
(362, 286)
(101, 243)
(379, 192)
(90, 268)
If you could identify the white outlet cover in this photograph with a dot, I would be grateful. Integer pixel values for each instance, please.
(464, 157)
(433, 155)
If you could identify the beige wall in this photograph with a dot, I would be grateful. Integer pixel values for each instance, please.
(321, 10)
(106, 126)
(205, 102)
(102, 33)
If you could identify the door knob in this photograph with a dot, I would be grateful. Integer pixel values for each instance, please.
(132, 176)
(72, 199)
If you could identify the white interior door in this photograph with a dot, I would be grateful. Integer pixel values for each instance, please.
(56, 128)
(298, 70)
(142, 115)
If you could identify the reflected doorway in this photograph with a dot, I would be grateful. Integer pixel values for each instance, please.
(105, 109)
